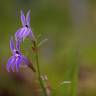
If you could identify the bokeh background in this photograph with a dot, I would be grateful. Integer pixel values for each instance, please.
(68, 55)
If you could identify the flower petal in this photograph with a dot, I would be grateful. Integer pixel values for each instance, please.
(23, 30)
(13, 63)
(10, 61)
(17, 34)
(18, 63)
(23, 20)
(28, 18)
(26, 33)
(12, 47)
(18, 44)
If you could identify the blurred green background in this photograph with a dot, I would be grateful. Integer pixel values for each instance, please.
(69, 54)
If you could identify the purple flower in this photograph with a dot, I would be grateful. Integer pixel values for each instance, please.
(17, 58)
(25, 31)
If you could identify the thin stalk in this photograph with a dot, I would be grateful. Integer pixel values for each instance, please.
(39, 74)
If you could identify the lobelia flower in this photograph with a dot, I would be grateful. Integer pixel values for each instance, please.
(25, 31)
(17, 58)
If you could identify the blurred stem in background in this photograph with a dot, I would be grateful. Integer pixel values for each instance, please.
(71, 73)
(38, 68)
(74, 73)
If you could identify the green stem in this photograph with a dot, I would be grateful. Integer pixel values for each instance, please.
(39, 74)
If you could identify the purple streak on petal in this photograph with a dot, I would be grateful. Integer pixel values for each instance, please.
(18, 44)
(21, 32)
(13, 63)
(28, 18)
(17, 33)
(10, 61)
(18, 63)
(12, 47)
(26, 33)
(23, 20)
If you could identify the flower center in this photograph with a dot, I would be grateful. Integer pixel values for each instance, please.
(17, 52)
(26, 26)
(17, 55)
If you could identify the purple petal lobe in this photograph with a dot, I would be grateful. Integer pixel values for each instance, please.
(28, 18)
(10, 61)
(23, 20)
(18, 63)
(12, 45)
(18, 44)
(13, 63)
(23, 30)
(17, 34)
(26, 33)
